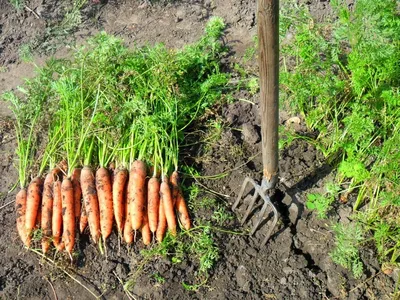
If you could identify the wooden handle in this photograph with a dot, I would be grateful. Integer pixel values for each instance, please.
(268, 60)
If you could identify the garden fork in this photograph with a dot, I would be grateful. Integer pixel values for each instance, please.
(268, 60)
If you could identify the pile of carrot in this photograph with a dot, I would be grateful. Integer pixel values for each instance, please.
(111, 105)
(62, 206)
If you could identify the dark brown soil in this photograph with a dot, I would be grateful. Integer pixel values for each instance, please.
(295, 264)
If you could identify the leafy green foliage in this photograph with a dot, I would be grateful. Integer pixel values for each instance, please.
(343, 76)
(322, 203)
(18, 4)
(346, 253)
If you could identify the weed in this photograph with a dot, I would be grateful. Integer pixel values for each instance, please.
(322, 203)
(25, 53)
(18, 4)
(193, 287)
(159, 278)
(253, 86)
(61, 33)
(346, 253)
(221, 216)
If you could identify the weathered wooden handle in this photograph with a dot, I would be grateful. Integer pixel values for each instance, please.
(268, 60)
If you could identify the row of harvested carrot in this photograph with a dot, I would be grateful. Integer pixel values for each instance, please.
(131, 199)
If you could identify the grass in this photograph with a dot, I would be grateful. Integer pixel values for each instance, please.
(343, 75)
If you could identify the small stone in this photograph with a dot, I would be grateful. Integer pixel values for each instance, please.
(344, 213)
(287, 200)
(251, 251)
(287, 270)
(242, 277)
(293, 213)
(283, 281)
(121, 271)
(250, 134)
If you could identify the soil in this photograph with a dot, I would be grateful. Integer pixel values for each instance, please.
(295, 264)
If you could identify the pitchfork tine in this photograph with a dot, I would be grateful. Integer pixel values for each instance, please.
(275, 213)
(260, 216)
(241, 192)
(251, 204)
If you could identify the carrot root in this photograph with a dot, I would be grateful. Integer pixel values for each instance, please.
(118, 190)
(20, 206)
(104, 192)
(91, 202)
(68, 214)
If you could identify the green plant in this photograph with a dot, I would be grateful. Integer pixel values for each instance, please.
(346, 253)
(221, 215)
(343, 77)
(60, 33)
(159, 278)
(25, 53)
(18, 4)
(322, 202)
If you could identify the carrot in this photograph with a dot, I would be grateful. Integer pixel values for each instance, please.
(179, 201)
(32, 204)
(61, 246)
(75, 179)
(38, 216)
(118, 190)
(68, 214)
(56, 226)
(162, 223)
(166, 198)
(83, 221)
(153, 195)
(47, 211)
(137, 192)
(174, 180)
(20, 207)
(146, 234)
(103, 186)
(128, 233)
(91, 202)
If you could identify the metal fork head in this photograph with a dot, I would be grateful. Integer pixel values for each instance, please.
(259, 191)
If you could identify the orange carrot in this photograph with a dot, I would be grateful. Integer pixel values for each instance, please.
(118, 191)
(128, 233)
(38, 216)
(47, 211)
(153, 195)
(56, 226)
(162, 223)
(32, 204)
(75, 179)
(174, 180)
(68, 214)
(104, 191)
(91, 202)
(137, 193)
(20, 206)
(83, 222)
(146, 234)
(179, 201)
(60, 246)
(166, 198)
